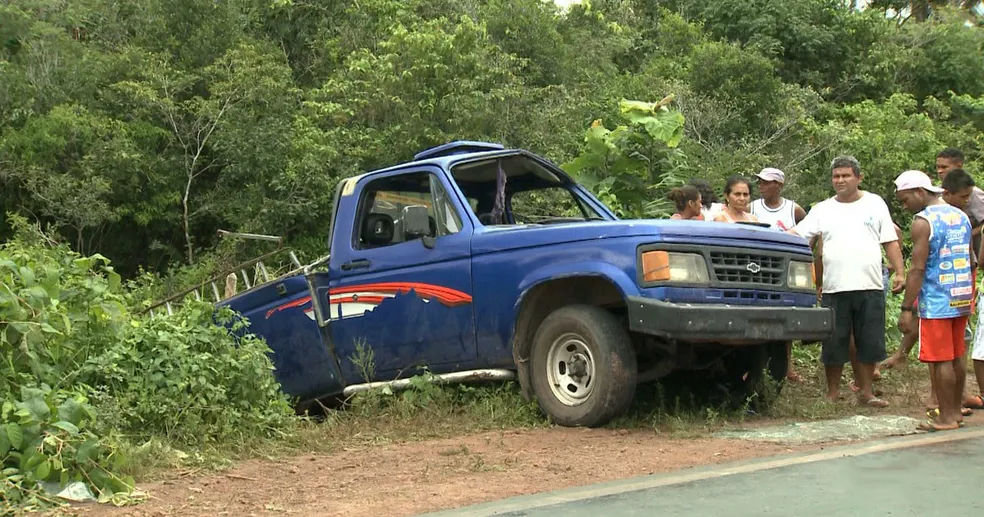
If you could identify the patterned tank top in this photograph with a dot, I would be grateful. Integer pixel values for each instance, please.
(948, 285)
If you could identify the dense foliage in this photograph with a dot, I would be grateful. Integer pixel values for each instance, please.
(140, 129)
(83, 374)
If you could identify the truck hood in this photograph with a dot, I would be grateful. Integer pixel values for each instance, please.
(496, 238)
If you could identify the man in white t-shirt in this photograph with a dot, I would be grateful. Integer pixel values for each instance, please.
(853, 227)
(771, 207)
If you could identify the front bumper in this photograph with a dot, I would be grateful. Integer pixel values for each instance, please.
(729, 323)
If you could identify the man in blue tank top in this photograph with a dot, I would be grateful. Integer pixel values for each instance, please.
(940, 276)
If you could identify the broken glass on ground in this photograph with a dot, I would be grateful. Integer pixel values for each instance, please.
(846, 429)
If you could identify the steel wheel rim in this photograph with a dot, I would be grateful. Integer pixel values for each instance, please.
(570, 370)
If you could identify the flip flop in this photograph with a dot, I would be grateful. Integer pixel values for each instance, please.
(978, 402)
(931, 427)
(960, 422)
(935, 412)
(874, 391)
(874, 402)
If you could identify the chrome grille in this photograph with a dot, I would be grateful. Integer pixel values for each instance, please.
(759, 269)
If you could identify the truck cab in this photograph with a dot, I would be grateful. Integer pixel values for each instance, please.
(474, 261)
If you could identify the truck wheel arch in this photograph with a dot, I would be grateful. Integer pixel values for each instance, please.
(542, 298)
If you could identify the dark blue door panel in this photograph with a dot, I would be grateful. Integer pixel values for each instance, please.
(414, 317)
(303, 364)
(410, 304)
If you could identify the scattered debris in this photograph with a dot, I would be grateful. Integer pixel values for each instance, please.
(853, 428)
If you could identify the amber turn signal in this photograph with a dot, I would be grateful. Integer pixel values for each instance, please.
(655, 266)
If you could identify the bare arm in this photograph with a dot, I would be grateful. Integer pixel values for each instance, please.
(799, 214)
(817, 244)
(898, 231)
(917, 269)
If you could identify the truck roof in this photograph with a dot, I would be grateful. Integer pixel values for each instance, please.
(445, 155)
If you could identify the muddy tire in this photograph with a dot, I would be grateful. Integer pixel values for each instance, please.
(756, 374)
(582, 368)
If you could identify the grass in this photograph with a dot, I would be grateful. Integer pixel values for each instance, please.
(431, 411)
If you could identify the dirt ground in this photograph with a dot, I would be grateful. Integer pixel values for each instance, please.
(412, 478)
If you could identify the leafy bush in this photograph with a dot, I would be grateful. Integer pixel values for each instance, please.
(181, 377)
(81, 371)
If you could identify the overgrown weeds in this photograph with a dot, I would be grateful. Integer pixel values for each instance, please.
(85, 379)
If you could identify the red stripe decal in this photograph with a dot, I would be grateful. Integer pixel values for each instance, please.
(447, 296)
(290, 305)
(376, 300)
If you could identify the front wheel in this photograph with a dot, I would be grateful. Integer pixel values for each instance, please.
(583, 368)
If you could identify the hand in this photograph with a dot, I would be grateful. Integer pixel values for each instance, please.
(907, 322)
(898, 283)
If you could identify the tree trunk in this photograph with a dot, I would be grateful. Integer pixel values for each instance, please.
(187, 222)
(920, 9)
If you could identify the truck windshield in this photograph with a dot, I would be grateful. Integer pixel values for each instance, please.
(532, 194)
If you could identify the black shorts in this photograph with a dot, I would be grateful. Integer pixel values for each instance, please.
(862, 312)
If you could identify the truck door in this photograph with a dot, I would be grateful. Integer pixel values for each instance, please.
(402, 295)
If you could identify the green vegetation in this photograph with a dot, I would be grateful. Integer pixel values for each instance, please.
(134, 131)
(85, 378)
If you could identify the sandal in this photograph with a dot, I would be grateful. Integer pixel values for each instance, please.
(874, 391)
(874, 402)
(978, 402)
(932, 427)
(935, 412)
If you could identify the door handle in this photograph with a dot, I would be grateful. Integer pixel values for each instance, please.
(356, 264)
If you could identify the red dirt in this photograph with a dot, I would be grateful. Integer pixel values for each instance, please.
(412, 478)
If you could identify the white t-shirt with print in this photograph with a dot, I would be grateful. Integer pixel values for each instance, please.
(852, 234)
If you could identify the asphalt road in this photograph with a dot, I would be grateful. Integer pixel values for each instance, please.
(925, 475)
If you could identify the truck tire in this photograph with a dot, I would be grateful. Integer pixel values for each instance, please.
(583, 368)
(756, 374)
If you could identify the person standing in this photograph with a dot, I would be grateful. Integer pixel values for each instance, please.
(708, 199)
(853, 227)
(687, 201)
(737, 194)
(771, 207)
(782, 214)
(940, 276)
(950, 159)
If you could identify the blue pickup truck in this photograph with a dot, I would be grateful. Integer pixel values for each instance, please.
(477, 262)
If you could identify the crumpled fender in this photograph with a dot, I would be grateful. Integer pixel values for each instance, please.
(586, 268)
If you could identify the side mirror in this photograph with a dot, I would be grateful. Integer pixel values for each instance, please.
(416, 224)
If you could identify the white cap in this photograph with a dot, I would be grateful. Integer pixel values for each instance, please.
(913, 179)
(772, 174)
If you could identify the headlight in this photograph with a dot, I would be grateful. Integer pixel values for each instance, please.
(801, 275)
(665, 266)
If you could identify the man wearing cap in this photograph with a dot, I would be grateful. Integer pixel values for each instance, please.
(771, 207)
(782, 214)
(853, 227)
(940, 276)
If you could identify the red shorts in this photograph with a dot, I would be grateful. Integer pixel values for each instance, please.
(942, 340)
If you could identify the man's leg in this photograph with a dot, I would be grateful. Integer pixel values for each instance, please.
(977, 355)
(937, 347)
(900, 358)
(869, 333)
(959, 379)
(977, 401)
(946, 392)
(834, 351)
(834, 373)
